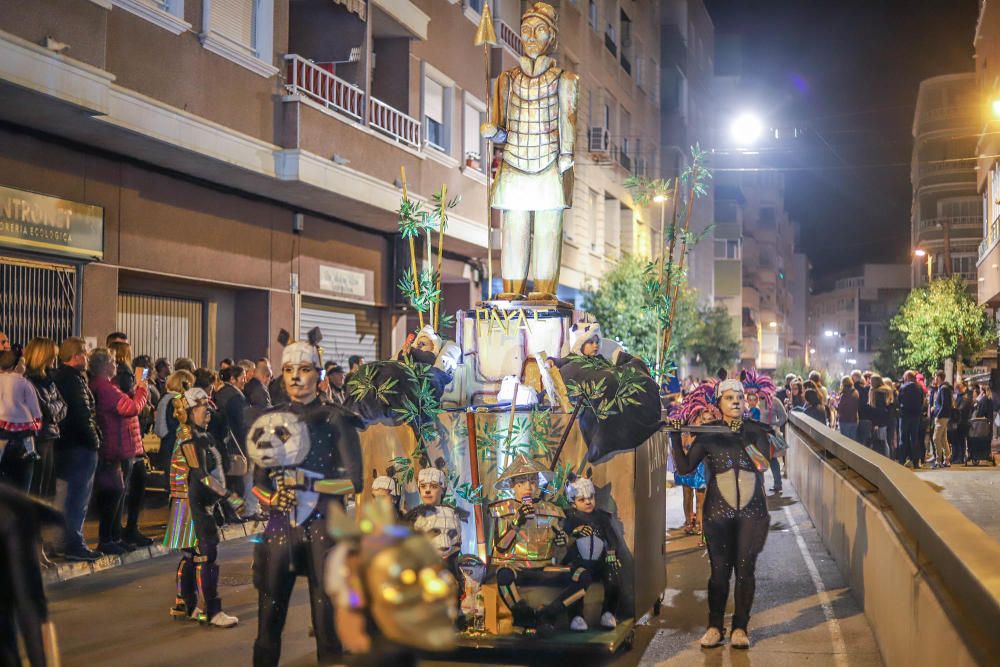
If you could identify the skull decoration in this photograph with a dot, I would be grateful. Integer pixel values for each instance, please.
(413, 598)
(442, 527)
(277, 440)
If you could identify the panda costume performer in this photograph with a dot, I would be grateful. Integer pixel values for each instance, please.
(594, 547)
(308, 454)
(439, 523)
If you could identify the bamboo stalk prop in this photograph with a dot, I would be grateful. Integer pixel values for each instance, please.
(486, 37)
(441, 225)
(565, 435)
(470, 422)
(666, 264)
(413, 250)
(680, 260)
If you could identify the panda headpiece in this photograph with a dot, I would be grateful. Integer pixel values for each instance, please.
(386, 482)
(580, 333)
(580, 487)
(278, 439)
(303, 351)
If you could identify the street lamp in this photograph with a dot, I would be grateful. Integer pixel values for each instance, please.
(746, 129)
(829, 334)
(920, 252)
(772, 324)
(995, 107)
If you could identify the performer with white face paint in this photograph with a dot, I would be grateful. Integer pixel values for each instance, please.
(302, 450)
(439, 523)
(735, 519)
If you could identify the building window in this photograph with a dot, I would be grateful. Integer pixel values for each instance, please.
(864, 337)
(958, 207)
(241, 31)
(476, 5)
(592, 14)
(168, 14)
(436, 118)
(727, 248)
(473, 143)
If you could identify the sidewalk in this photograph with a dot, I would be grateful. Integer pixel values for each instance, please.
(152, 523)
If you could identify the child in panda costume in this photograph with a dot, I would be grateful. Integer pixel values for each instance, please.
(594, 547)
(441, 524)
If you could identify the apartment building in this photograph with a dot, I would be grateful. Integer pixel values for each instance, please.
(687, 47)
(203, 173)
(849, 315)
(987, 46)
(946, 210)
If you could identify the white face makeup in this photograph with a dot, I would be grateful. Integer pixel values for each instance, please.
(732, 404)
(301, 381)
(430, 493)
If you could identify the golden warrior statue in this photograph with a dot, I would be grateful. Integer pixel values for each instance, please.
(533, 113)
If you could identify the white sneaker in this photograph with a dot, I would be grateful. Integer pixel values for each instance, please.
(223, 620)
(578, 624)
(711, 638)
(608, 620)
(739, 639)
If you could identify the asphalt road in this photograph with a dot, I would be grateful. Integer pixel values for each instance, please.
(119, 617)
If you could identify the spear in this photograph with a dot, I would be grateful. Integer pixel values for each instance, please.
(486, 37)
(413, 251)
(441, 223)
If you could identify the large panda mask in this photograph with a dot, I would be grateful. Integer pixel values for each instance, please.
(278, 440)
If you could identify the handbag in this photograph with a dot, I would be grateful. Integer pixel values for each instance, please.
(238, 464)
(980, 427)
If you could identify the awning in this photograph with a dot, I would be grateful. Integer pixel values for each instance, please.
(359, 7)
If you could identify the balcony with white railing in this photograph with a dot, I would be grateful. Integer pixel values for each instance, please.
(961, 224)
(394, 123)
(509, 38)
(319, 84)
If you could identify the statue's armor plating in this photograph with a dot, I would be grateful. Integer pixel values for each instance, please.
(533, 120)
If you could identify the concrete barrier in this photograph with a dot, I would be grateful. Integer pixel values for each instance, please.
(927, 577)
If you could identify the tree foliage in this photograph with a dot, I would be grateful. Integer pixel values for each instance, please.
(712, 339)
(941, 321)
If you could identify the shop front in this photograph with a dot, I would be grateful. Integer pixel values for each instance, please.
(44, 243)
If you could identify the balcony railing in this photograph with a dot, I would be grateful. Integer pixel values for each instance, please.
(509, 38)
(321, 85)
(967, 165)
(963, 221)
(388, 120)
(987, 244)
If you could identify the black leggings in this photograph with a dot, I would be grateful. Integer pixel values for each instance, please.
(135, 492)
(198, 576)
(733, 544)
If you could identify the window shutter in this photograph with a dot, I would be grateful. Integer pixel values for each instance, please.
(234, 20)
(434, 100)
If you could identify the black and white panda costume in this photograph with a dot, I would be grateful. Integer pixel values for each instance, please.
(301, 451)
(594, 546)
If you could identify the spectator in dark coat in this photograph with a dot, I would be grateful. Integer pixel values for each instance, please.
(864, 409)
(880, 397)
(256, 390)
(813, 406)
(77, 447)
(232, 409)
(941, 414)
(41, 357)
(958, 425)
(911, 403)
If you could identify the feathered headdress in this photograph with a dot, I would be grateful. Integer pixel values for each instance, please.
(759, 384)
(701, 398)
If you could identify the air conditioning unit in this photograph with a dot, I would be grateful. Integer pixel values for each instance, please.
(599, 140)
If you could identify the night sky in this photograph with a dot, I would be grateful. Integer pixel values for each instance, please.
(847, 72)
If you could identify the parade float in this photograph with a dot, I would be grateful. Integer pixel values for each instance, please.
(529, 450)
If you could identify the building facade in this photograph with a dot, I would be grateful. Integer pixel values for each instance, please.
(945, 219)
(202, 174)
(849, 316)
(987, 47)
(687, 48)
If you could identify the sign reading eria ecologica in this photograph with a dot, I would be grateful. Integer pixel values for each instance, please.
(48, 224)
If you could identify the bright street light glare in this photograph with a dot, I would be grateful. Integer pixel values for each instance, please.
(843, 349)
(828, 333)
(812, 350)
(919, 252)
(995, 107)
(659, 199)
(853, 362)
(772, 324)
(746, 129)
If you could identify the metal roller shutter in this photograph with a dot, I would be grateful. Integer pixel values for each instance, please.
(346, 329)
(235, 19)
(161, 326)
(36, 299)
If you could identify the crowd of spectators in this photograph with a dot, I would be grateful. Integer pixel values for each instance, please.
(85, 428)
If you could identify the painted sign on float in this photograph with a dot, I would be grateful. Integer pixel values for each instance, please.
(55, 226)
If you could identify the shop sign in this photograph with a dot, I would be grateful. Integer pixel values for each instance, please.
(57, 226)
(354, 283)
